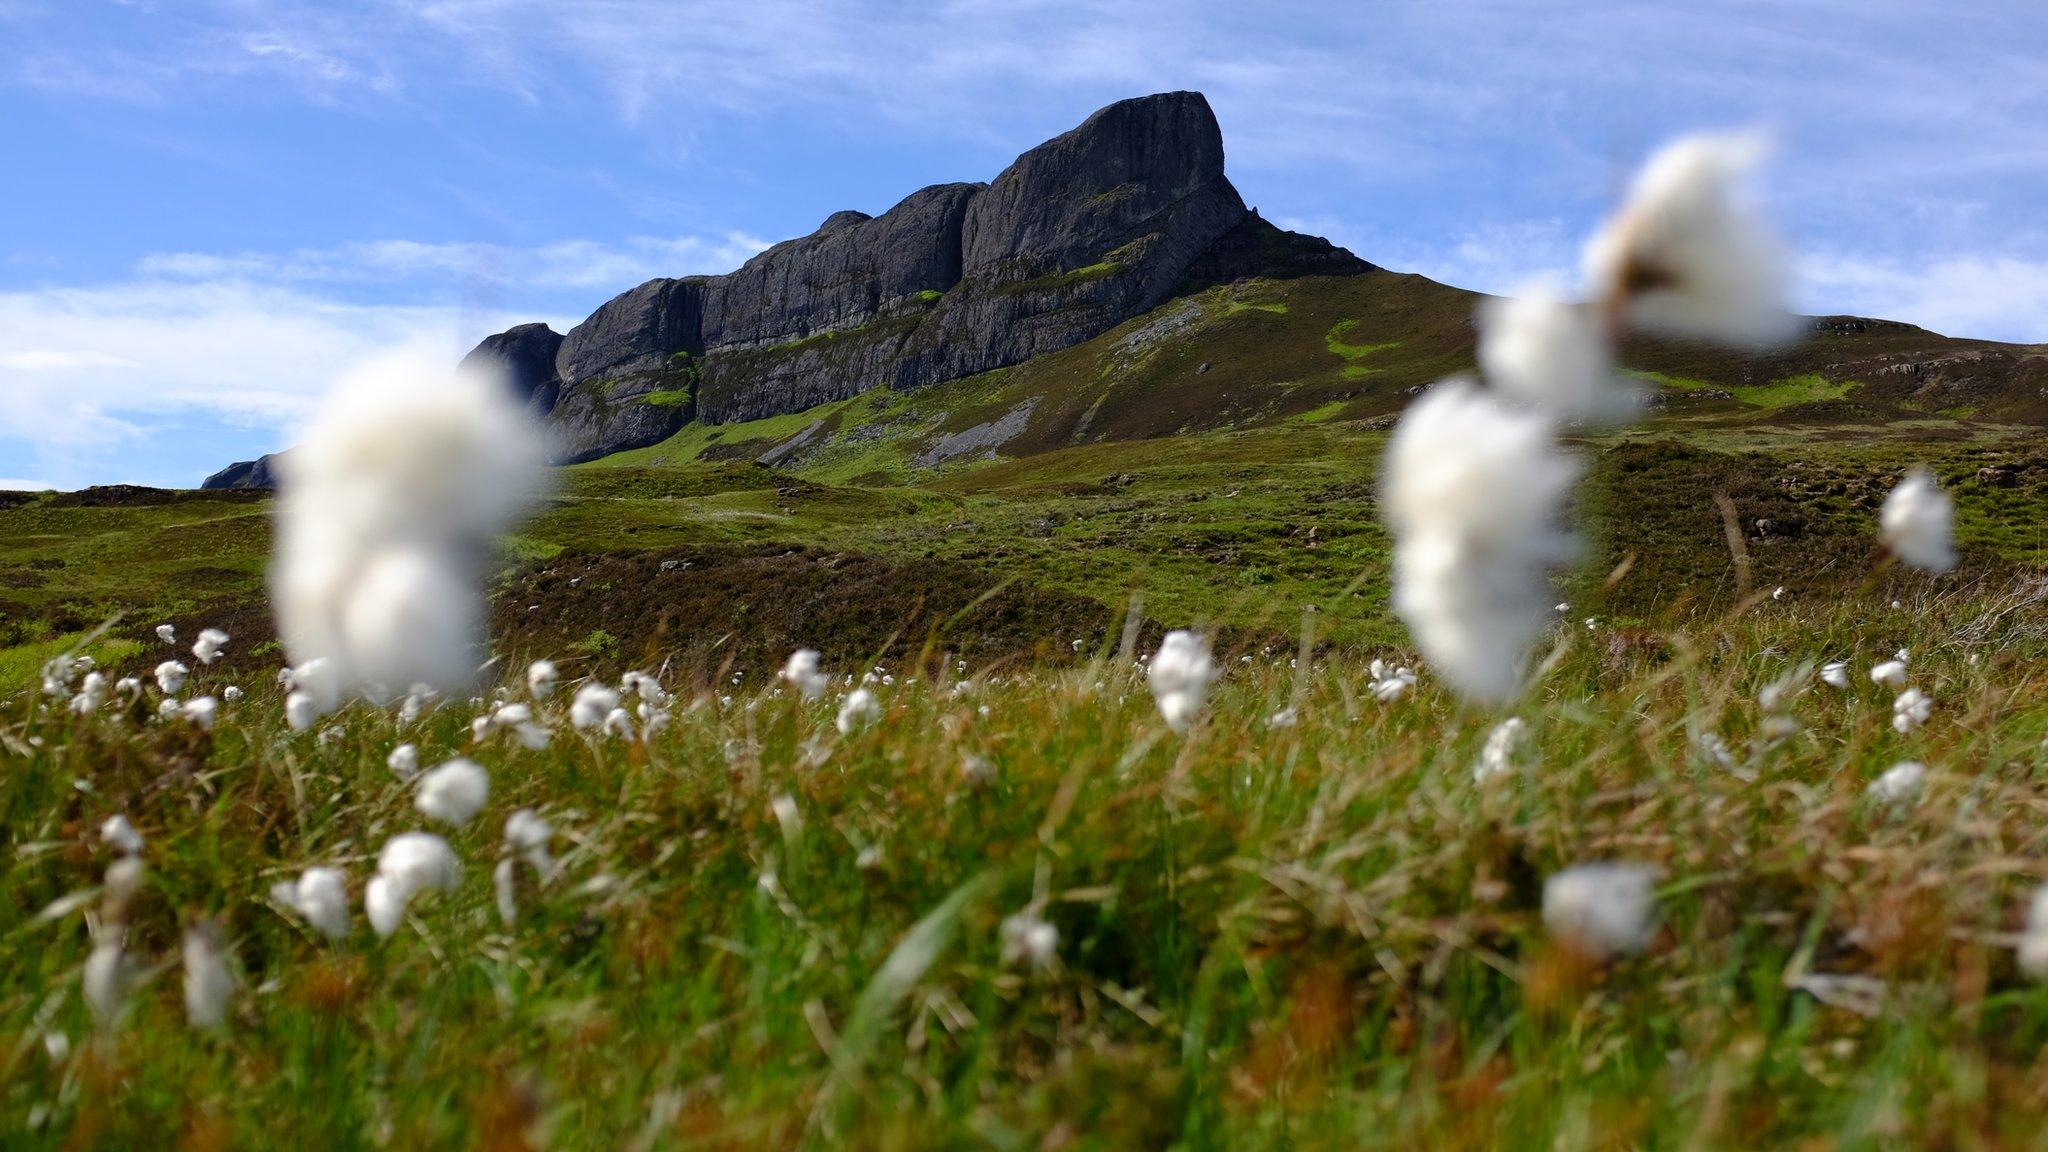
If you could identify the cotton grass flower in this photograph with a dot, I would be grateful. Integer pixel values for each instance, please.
(404, 762)
(526, 841)
(1686, 255)
(410, 864)
(1911, 710)
(200, 711)
(1497, 757)
(454, 792)
(1553, 356)
(1890, 673)
(1475, 495)
(120, 835)
(1390, 683)
(207, 648)
(593, 703)
(1835, 673)
(104, 978)
(1917, 522)
(2032, 952)
(1179, 675)
(541, 678)
(1029, 939)
(301, 711)
(1601, 911)
(1900, 784)
(167, 634)
(320, 898)
(388, 509)
(170, 677)
(803, 673)
(860, 709)
(209, 983)
(92, 692)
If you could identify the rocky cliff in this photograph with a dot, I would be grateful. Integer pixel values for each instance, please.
(1076, 236)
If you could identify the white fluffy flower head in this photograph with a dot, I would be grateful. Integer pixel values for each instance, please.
(1476, 494)
(386, 514)
(320, 897)
(1551, 355)
(803, 673)
(1601, 910)
(1687, 255)
(410, 863)
(1179, 675)
(1917, 522)
(454, 792)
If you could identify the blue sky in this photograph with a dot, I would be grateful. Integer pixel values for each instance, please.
(211, 207)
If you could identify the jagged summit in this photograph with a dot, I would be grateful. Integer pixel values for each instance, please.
(1079, 234)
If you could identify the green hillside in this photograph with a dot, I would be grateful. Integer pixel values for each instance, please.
(1215, 457)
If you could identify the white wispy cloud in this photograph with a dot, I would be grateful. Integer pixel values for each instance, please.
(1989, 296)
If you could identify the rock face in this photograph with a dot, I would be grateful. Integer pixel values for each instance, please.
(525, 356)
(258, 473)
(1076, 236)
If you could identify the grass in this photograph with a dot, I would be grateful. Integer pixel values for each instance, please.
(1323, 935)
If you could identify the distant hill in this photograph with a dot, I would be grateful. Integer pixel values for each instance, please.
(1118, 279)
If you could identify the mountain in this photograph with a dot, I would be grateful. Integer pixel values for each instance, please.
(1127, 220)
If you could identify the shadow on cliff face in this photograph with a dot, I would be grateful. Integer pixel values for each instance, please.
(747, 608)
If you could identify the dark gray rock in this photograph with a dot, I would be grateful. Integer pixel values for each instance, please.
(635, 331)
(852, 270)
(1256, 248)
(1075, 237)
(258, 473)
(525, 357)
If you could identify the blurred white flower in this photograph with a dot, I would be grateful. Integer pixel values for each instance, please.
(387, 511)
(123, 880)
(1390, 683)
(300, 711)
(1497, 758)
(167, 634)
(1179, 676)
(1029, 939)
(200, 711)
(541, 678)
(404, 761)
(320, 897)
(1911, 710)
(209, 984)
(1917, 522)
(593, 703)
(803, 673)
(1891, 673)
(618, 723)
(1686, 256)
(105, 977)
(117, 833)
(410, 863)
(231, 693)
(1551, 355)
(208, 647)
(1901, 783)
(2033, 945)
(1835, 673)
(527, 835)
(92, 692)
(170, 677)
(1475, 494)
(1284, 718)
(454, 792)
(858, 710)
(1601, 910)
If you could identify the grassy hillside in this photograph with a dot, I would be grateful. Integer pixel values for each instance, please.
(1305, 924)
(1215, 457)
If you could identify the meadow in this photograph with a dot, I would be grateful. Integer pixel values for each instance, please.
(1307, 922)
